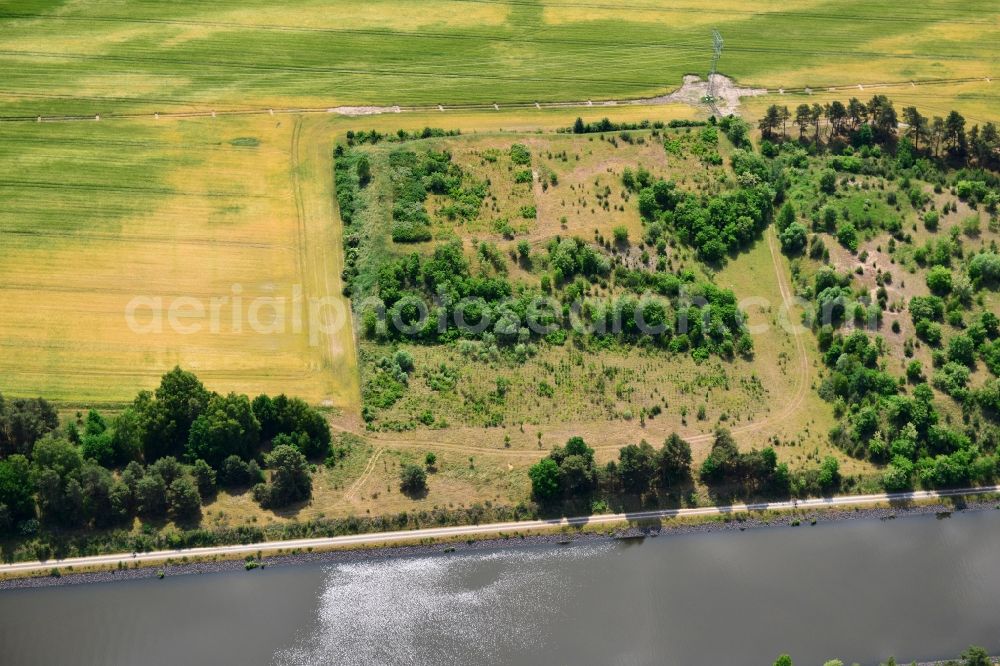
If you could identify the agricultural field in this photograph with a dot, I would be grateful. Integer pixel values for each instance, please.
(95, 216)
(86, 58)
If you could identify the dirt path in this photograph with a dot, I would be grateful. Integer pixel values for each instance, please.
(691, 92)
(800, 347)
(352, 492)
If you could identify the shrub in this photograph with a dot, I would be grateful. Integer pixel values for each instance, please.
(847, 236)
(939, 280)
(412, 479)
(544, 477)
(519, 154)
(828, 181)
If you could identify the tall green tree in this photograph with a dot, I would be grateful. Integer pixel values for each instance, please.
(17, 489)
(290, 479)
(227, 427)
(176, 403)
(636, 467)
(673, 464)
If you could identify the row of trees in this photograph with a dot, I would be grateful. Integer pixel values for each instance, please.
(877, 121)
(190, 439)
(569, 472)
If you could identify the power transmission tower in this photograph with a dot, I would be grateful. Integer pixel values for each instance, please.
(717, 44)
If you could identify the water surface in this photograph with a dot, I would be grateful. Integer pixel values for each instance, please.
(916, 588)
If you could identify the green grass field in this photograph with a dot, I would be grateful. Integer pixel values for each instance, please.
(70, 58)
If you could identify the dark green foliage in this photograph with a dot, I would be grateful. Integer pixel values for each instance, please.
(373, 137)
(544, 477)
(636, 467)
(184, 499)
(168, 469)
(926, 307)
(939, 280)
(290, 480)
(793, 238)
(17, 490)
(56, 466)
(127, 435)
(828, 181)
(237, 473)
(23, 421)
(984, 270)
(412, 480)
(847, 235)
(96, 484)
(607, 125)
(227, 427)
(169, 413)
(714, 225)
(673, 462)
(753, 471)
(99, 447)
(293, 417)
(952, 378)
(204, 478)
(151, 495)
(976, 656)
(829, 473)
(962, 349)
(574, 474)
(737, 130)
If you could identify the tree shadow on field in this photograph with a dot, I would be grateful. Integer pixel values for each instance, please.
(414, 493)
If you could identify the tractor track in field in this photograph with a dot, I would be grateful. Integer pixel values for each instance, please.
(352, 492)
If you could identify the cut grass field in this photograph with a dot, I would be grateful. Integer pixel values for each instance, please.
(91, 58)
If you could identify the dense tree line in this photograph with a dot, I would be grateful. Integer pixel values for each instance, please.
(160, 457)
(569, 472)
(859, 123)
(607, 125)
(373, 137)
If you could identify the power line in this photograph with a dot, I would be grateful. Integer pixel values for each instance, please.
(717, 45)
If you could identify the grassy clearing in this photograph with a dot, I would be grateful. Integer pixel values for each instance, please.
(454, 402)
(86, 58)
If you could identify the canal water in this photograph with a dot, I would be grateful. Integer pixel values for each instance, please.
(916, 588)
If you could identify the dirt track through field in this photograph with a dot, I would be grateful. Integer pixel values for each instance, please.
(727, 91)
(352, 492)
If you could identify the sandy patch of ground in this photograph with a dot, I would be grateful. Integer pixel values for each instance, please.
(727, 93)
